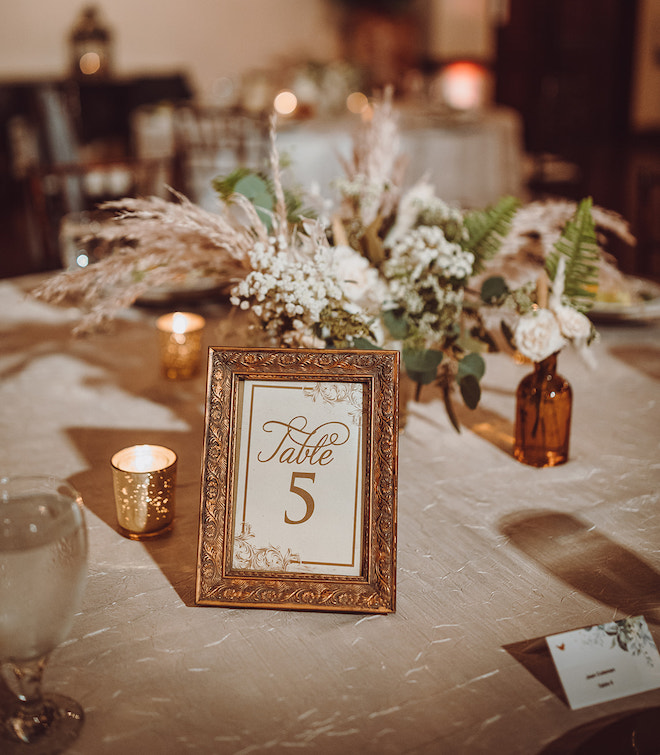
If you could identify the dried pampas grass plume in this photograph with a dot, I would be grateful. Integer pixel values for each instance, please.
(153, 243)
(536, 228)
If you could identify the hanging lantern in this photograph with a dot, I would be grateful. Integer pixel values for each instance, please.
(90, 46)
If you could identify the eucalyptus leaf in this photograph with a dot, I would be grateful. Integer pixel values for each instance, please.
(364, 343)
(471, 364)
(422, 364)
(493, 289)
(470, 390)
(256, 190)
(396, 324)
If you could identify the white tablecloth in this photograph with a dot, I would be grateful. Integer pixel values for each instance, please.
(491, 555)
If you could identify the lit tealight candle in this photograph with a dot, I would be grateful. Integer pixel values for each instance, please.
(180, 343)
(144, 478)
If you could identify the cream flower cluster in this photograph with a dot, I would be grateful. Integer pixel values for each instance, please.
(289, 288)
(359, 280)
(541, 332)
(283, 292)
(424, 274)
(537, 334)
(420, 206)
(426, 250)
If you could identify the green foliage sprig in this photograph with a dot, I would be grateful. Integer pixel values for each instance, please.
(259, 189)
(486, 229)
(579, 246)
(576, 288)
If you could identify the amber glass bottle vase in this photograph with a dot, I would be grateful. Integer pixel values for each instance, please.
(543, 416)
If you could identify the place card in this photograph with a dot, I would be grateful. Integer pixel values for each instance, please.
(606, 662)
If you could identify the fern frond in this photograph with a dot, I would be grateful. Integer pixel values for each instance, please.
(578, 244)
(487, 228)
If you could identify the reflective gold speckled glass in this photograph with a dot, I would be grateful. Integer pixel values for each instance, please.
(144, 479)
(180, 340)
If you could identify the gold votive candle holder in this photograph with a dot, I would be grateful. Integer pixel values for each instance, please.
(144, 478)
(180, 341)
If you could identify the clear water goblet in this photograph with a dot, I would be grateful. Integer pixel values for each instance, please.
(43, 566)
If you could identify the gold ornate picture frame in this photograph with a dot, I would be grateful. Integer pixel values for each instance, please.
(299, 480)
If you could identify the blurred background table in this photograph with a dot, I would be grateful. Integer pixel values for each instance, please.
(472, 159)
(492, 555)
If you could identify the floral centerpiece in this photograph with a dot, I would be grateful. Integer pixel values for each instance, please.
(551, 311)
(386, 267)
(550, 315)
(389, 268)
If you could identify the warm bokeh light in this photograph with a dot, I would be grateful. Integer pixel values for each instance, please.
(90, 63)
(357, 102)
(285, 102)
(464, 85)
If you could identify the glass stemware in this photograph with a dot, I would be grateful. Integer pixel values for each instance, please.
(43, 566)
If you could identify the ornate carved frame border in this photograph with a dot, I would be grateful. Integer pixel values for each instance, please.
(371, 592)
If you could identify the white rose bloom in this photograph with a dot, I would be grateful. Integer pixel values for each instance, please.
(537, 335)
(359, 281)
(573, 324)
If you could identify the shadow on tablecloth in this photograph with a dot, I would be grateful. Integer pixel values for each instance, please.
(486, 423)
(642, 357)
(635, 732)
(586, 560)
(175, 553)
(535, 656)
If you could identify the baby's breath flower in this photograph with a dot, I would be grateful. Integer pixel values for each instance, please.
(295, 285)
(426, 273)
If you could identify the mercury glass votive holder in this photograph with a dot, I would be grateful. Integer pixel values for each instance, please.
(180, 340)
(144, 478)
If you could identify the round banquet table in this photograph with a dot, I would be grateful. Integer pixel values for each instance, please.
(492, 557)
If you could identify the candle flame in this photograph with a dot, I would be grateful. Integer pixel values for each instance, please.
(179, 323)
(144, 458)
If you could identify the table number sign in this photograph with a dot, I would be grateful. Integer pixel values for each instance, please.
(606, 662)
(304, 440)
(298, 502)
